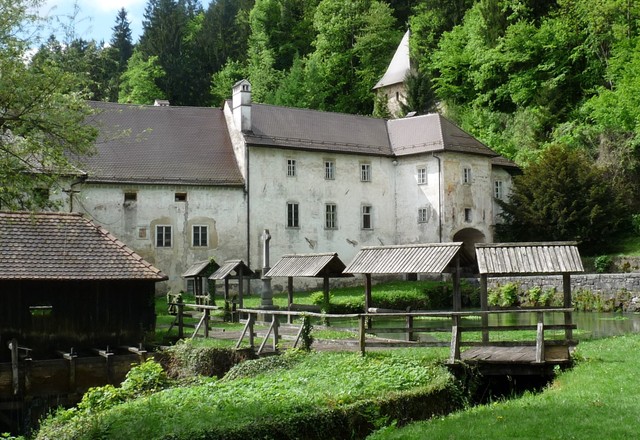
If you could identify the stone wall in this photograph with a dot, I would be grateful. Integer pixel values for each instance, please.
(621, 290)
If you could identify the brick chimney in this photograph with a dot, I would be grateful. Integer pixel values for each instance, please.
(241, 105)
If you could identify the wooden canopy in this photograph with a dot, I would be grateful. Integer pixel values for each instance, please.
(233, 269)
(414, 258)
(321, 265)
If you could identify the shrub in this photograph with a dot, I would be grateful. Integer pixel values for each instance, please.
(504, 296)
(603, 263)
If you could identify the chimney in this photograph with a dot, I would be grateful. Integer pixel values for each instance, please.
(161, 103)
(241, 104)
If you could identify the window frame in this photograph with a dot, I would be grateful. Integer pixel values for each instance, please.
(498, 189)
(329, 169)
(366, 217)
(293, 215)
(330, 216)
(365, 172)
(166, 242)
(291, 168)
(421, 173)
(422, 215)
(466, 175)
(200, 235)
(468, 216)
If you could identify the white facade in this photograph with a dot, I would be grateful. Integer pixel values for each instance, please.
(143, 215)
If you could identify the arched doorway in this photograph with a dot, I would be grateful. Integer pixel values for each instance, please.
(469, 237)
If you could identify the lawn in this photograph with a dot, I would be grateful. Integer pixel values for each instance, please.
(598, 399)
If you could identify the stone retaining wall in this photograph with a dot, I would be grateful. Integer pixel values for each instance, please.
(621, 289)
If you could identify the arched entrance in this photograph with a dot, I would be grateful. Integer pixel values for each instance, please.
(469, 237)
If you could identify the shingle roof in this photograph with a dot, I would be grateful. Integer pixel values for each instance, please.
(298, 128)
(62, 246)
(399, 66)
(197, 268)
(161, 144)
(528, 258)
(432, 133)
(414, 258)
(308, 265)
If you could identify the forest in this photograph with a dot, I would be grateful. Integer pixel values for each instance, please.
(529, 78)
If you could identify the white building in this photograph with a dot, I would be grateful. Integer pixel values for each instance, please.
(181, 185)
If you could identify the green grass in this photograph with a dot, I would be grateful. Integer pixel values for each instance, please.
(305, 385)
(598, 399)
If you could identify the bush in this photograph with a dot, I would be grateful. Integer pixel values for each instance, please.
(504, 296)
(603, 263)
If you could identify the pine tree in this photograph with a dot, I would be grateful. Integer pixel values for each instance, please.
(121, 40)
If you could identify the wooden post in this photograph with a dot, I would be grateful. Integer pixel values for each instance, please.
(454, 354)
(180, 306)
(457, 296)
(206, 322)
(540, 339)
(240, 288)
(250, 322)
(362, 334)
(276, 335)
(367, 296)
(484, 306)
(409, 325)
(290, 297)
(566, 289)
(71, 357)
(15, 369)
(325, 292)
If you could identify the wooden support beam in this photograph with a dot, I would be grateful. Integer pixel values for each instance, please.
(363, 334)
(240, 287)
(484, 306)
(454, 354)
(566, 290)
(289, 297)
(15, 368)
(409, 326)
(367, 296)
(540, 339)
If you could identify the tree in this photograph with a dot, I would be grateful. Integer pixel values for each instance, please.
(121, 40)
(42, 120)
(139, 81)
(564, 196)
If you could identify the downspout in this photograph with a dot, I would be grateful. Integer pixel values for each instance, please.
(246, 161)
(440, 179)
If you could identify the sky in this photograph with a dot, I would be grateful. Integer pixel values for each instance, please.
(95, 18)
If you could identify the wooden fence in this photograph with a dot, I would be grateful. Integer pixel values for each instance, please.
(409, 324)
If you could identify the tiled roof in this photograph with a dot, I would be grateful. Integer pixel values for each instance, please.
(287, 127)
(432, 133)
(308, 265)
(161, 144)
(528, 258)
(412, 258)
(61, 246)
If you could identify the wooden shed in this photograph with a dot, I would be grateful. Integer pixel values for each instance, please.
(233, 270)
(66, 282)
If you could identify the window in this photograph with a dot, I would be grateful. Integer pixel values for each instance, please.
(330, 216)
(365, 172)
(200, 235)
(466, 175)
(422, 215)
(163, 236)
(291, 167)
(329, 170)
(292, 215)
(497, 189)
(422, 175)
(366, 217)
(467, 215)
(181, 197)
(130, 196)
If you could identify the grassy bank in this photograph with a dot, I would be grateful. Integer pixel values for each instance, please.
(598, 399)
(298, 395)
